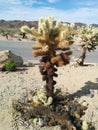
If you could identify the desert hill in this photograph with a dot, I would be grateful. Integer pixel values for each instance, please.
(19, 23)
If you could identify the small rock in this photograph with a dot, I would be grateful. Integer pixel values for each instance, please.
(7, 54)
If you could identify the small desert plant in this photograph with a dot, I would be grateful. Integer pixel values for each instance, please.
(87, 40)
(10, 65)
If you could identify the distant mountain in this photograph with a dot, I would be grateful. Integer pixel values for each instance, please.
(95, 25)
(19, 23)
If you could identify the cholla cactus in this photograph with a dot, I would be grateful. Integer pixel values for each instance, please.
(88, 37)
(87, 40)
(46, 107)
(49, 39)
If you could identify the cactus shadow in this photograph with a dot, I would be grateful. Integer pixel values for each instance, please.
(88, 89)
(25, 66)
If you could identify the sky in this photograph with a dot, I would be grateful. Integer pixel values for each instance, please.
(84, 11)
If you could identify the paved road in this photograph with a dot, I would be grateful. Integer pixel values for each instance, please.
(24, 49)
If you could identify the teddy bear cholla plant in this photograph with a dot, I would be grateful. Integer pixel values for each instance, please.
(49, 108)
(49, 39)
(87, 40)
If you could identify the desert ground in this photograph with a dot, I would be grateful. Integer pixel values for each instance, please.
(81, 82)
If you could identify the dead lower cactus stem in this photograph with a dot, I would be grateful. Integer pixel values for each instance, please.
(47, 70)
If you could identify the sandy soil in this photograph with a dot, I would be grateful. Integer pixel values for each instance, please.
(81, 82)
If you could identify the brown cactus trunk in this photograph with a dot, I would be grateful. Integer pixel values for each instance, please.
(83, 56)
(48, 71)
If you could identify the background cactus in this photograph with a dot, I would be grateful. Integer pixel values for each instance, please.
(87, 40)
